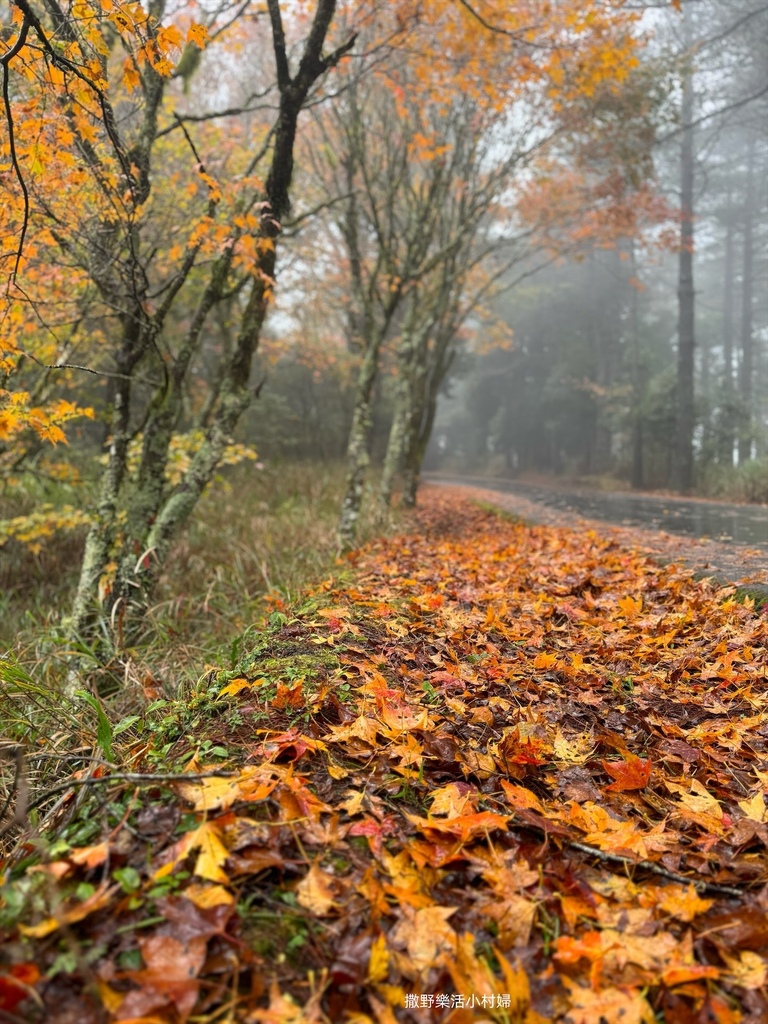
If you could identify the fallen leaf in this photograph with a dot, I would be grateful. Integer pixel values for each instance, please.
(315, 891)
(378, 964)
(424, 933)
(631, 773)
(71, 914)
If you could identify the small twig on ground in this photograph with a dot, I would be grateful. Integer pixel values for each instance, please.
(138, 777)
(104, 780)
(702, 887)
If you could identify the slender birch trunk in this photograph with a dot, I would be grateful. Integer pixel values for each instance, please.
(686, 336)
(727, 430)
(746, 366)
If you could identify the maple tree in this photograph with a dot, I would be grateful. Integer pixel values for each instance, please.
(435, 196)
(92, 224)
(530, 769)
(115, 274)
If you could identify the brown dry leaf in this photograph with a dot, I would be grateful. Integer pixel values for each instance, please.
(482, 715)
(169, 977)
(425, 934)
(609, 1004)
(513, 916)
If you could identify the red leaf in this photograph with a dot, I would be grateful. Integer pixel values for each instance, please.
(631, 773)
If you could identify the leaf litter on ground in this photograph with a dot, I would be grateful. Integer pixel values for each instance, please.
(529, 785)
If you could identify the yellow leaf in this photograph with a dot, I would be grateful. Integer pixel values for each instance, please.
(239, 684)
(110, 999)
(697, 798)
(197, 34)
(71, 915)
(681, 901)
(451, 801)
(354, 802)
(131, 78)
(363, 728)
(252, 785)
(755, 808)
(749, 970)
(169, 38)
(213, 853)
(314, 891)
(630, 606)
(163, 67)
(378, 964)
(587, 1006)
(205, 896)
(574, 751)
(544, 660)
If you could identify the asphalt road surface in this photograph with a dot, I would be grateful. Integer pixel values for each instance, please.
(719, 521)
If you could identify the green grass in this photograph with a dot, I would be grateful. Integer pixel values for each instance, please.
(258, 540)
(256, 534)
(756, 592)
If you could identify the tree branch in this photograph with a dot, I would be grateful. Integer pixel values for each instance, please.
(6, 62)
(714, 113)
(278, 44)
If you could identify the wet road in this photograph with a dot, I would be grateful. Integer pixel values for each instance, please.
(720, 521)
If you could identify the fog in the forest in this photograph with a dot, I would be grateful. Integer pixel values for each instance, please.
(590, 388)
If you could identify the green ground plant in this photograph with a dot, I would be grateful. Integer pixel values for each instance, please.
(267, 535)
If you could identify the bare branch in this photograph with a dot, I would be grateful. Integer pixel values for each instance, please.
(6, 62)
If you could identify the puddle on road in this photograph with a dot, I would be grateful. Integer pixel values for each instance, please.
(741, 524)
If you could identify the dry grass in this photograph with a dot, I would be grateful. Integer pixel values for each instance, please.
(258, 534)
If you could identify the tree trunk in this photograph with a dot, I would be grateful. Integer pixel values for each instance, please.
(637, 376)
(397, 439)
(357, 457)
(727, 426)
(686, 339)
(746, 366)
(395, 446)
(414, 455)
(149, 512)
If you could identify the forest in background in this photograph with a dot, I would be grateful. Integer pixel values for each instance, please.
(504, 239)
